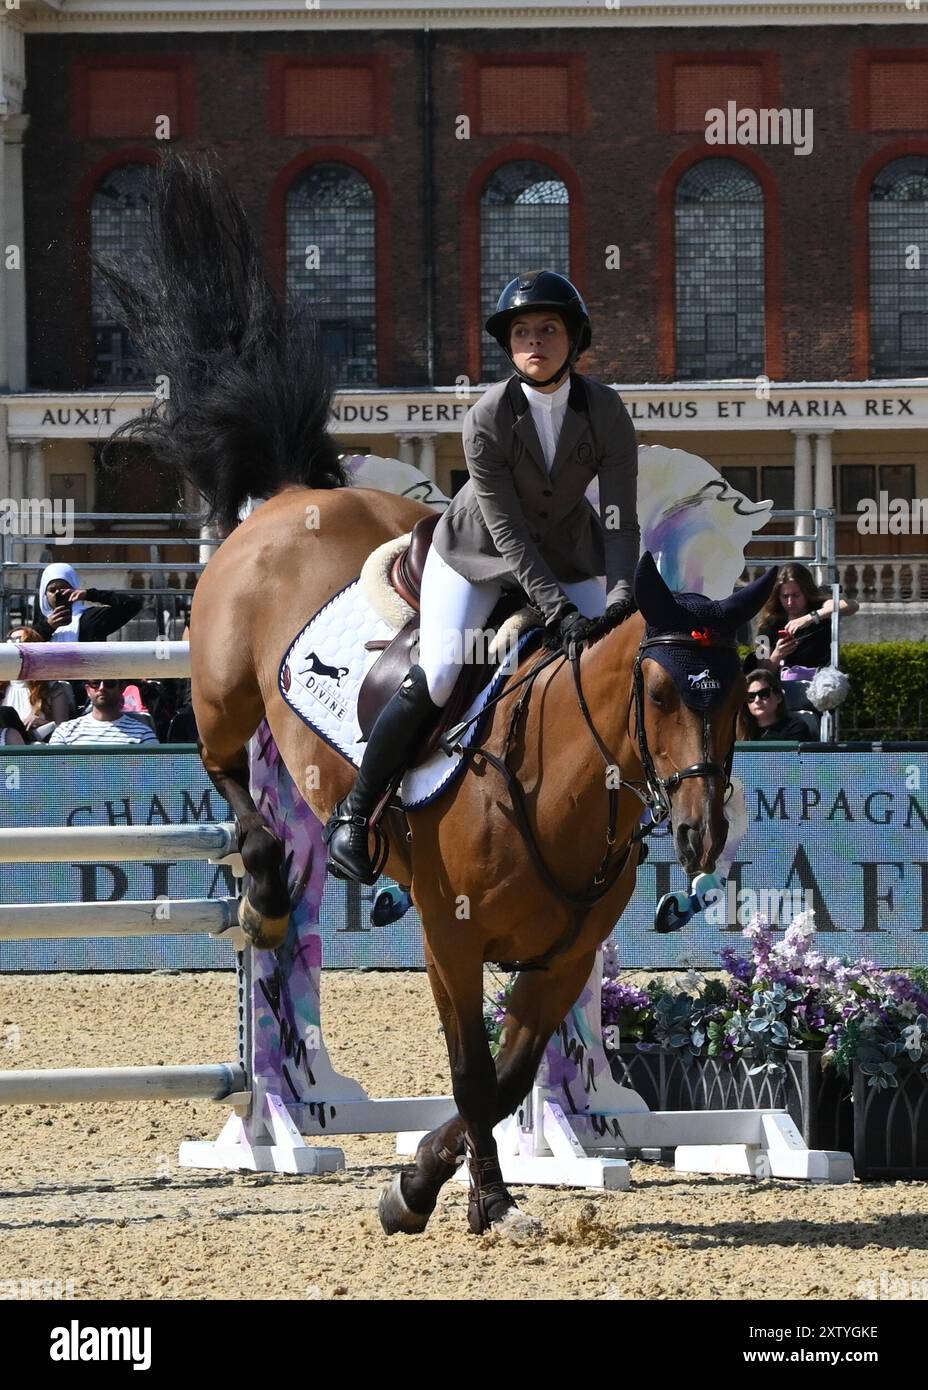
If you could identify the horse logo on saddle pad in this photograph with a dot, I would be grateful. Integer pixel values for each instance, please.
(318, 666)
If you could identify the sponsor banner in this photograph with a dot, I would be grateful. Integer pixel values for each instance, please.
(843, 833)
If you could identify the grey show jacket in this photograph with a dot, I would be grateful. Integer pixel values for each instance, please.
(513, 523)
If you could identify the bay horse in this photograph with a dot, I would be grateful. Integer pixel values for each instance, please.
(529, 857)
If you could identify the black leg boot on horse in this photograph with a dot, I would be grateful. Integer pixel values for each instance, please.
(393, 738)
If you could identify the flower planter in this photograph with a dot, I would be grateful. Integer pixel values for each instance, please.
(886, 1130)
(891, 1126)
(818, 1101)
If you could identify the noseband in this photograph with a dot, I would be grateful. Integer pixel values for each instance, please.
(659, 789)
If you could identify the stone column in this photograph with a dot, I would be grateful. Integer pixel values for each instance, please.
(11, 201)
(4, 273)
(12, 86)
(407, 448)
(802, 489)
(427, 456)
(4, 454)
(17, 470)
(35, 489)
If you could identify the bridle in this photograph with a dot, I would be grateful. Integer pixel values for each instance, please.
(658, 789)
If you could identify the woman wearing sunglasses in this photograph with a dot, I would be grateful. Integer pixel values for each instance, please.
(766, 715)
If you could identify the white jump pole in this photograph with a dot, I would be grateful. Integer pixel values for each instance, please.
(30, 661)
(81, 844)
(70, 1084)
(159, 916)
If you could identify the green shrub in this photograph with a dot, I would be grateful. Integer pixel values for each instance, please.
(889, 690)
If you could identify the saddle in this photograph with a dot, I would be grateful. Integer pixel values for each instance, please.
(392, 666)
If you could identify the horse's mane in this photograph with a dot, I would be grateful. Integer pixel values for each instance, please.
(249, 389)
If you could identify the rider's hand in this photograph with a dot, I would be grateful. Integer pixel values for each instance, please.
(617, 612)
(76, 595)
(59, 615)
(573, 628)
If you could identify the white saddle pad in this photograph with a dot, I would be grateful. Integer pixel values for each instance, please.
(321, 674)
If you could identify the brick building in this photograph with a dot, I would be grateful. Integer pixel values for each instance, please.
(755, 282)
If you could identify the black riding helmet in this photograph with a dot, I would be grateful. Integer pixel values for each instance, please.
(534, 291)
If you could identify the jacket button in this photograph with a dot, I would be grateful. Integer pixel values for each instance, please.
(543, 515)
(547, 492)
(535, 535)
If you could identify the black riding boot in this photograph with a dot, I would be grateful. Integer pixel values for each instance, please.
(388, 750)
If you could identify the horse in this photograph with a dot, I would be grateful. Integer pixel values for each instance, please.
(530, 857)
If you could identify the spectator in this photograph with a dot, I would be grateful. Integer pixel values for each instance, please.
(765, 715)
(40, 705)
(797, 610)
(12, 729)
(108, 721)
(66, 617)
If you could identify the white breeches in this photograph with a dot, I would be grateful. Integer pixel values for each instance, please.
(454, 613)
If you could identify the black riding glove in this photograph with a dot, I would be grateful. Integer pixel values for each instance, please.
(569, 628)
(617, 612)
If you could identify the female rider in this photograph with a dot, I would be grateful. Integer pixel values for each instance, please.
(533, 444)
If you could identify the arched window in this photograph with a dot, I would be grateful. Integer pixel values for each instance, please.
(899, 268)
(330, 261)
(524, 225)
(719, 239)
(119, 221)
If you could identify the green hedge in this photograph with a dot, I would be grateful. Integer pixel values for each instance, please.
(889, 690)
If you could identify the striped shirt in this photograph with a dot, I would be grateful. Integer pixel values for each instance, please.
(128, 728)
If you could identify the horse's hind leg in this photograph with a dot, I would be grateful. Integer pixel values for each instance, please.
(224, 731)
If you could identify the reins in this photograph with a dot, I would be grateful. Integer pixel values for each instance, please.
(654, 792)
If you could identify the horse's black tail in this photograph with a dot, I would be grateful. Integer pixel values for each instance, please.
(243, 389)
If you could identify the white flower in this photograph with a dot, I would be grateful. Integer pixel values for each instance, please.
(907, 1007)
(690, 983)
(610, 960)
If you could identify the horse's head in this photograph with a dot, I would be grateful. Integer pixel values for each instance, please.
(688, 689)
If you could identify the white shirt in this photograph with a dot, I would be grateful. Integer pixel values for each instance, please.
(548, 410)
(128, 728)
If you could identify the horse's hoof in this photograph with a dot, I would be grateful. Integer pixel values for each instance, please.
(395, 1215)
(265, 933)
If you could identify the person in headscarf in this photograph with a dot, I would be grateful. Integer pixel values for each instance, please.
(69, 613)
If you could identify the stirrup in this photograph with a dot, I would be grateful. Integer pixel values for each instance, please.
(381, 846)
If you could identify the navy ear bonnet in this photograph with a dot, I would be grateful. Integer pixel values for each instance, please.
(705, 673)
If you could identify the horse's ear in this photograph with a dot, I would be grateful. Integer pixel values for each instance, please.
(744, 603)
(655, 600)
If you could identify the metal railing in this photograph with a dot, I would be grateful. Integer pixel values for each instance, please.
(166, 607)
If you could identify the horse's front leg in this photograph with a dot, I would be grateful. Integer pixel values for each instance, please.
(409, 1201)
